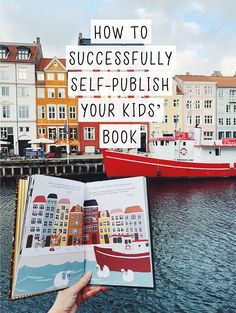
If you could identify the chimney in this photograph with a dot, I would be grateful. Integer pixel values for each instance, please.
(216, 73)
(38, 41)
(187, 73)
(79, 38)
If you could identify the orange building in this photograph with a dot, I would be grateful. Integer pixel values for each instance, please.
(57, 114)
(75, 229)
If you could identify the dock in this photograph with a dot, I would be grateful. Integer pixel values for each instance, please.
(75, 165)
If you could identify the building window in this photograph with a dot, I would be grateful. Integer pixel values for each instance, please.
(197, 105)
(51, 112)
(165, 119)
(40, 93)
(60, 76)
(176, 102)
(52, 133)
(51, 93)
(40, 76)
(62, 134)
(221, 121)
(197, 119)
(189, 88)
(221, 93)
(232, 95)
(23, 91)
(4, 73)
(23, 54)
(3, 132)
(189, 104)
(208, 90)
(176, 119)
(22, 73)
(207, 104)
(89, 133)
(27, 129)
(228, 121)
(72, 112)
(50, 76)
(61, 92)
(41, 111)
(208, 119)
(23, 111)
(42, 131)
(73, 133)
(198, 90)
(208, 135)
(234, 120)
(6, 111)
(165, 103)
(62, 112)
(3, 52)
(189, 119)
(5, 91)
(228, 108)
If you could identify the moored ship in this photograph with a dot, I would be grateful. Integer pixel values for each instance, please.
(181, 156)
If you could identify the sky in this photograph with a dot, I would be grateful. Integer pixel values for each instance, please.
(204, 32)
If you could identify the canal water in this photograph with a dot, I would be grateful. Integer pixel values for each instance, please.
(194, 238)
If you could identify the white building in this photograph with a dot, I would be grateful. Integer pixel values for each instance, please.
(226, 107)
(135, 223)
(17, 93)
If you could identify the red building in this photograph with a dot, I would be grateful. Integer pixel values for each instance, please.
(91, 232)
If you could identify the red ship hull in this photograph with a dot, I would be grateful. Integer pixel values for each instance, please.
(124, 165)
(116, 261)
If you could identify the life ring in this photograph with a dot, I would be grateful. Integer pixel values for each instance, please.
(183, 151)
(127, 247)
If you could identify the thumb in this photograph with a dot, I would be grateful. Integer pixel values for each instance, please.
(81, 283)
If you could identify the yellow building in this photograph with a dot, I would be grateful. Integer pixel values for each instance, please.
(173, 115)
(61, 223)
(104, 225)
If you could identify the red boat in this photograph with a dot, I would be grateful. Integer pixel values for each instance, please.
(175, 157)
(116, 261)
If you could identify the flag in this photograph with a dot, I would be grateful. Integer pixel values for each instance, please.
(65, 128)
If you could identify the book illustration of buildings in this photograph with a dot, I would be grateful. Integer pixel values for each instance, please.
(91, 232)
(104, 226)
(36, 219)
(60, 226)
(48, 219)
(75, 228)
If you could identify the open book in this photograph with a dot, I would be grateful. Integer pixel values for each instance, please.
(64, 228)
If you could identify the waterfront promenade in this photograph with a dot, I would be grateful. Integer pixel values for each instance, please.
(74, 165)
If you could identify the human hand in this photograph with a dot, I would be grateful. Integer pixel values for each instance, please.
(69, 300)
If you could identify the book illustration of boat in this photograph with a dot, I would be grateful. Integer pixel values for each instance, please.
(182, 156)
(127, 255)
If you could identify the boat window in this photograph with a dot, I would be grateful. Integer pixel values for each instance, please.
(175, 143)
(119, 240)
(184, 143)
(126, 241)
(147, 244)
(162, 142)
(129, 241)
(114, 240)
(217, 151)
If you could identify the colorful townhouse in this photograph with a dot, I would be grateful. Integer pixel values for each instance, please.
(91, 232)
(36, 218)
(104, 223)
(48, 218)
(226, 106)
(117, 222)
(199, 103)
(57, 114)
(75, 226)
(173, 119)
(135, 222)
(18, 62)
(61, 222)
